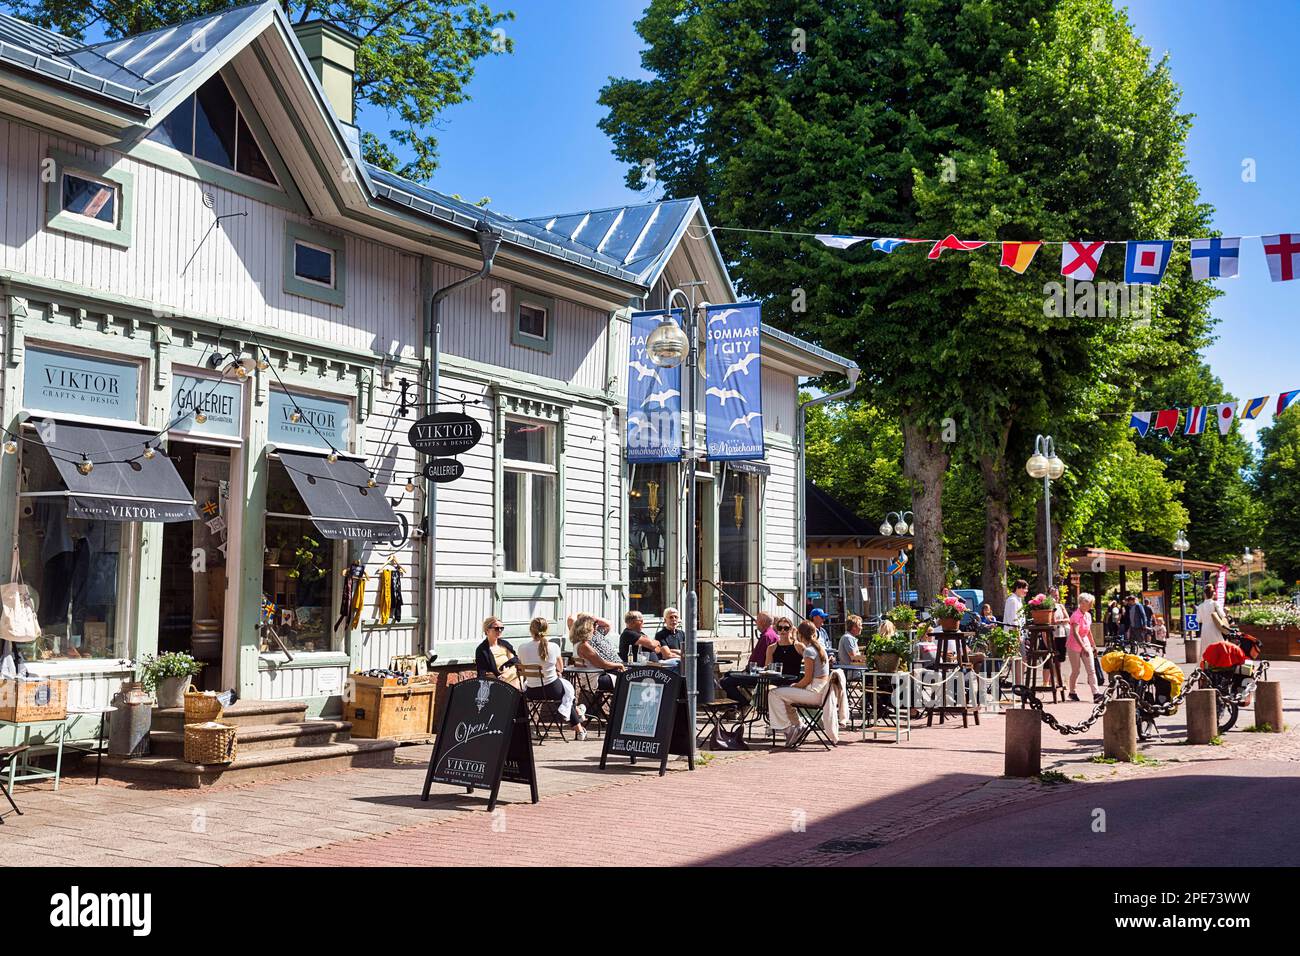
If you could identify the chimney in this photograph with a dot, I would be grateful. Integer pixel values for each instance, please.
(333, 55)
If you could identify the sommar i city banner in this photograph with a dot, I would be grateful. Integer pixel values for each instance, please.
(733, 390)
(654, 398)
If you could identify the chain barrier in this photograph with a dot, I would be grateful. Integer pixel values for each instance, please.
(1030, 698)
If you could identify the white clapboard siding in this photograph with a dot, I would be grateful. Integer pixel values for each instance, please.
(465, 506)
(461, 610)
(379, 645)
(591, 600)
(237, 271)
(778, 510)
(780, 393)
(297, 683)
(586, 501)
(472, 329)
(87, 690)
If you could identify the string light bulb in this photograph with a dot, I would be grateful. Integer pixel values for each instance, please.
(86, 466)
(11, 446)
(148, 451)
(201, 418)
(332, 457)
(370, 482)
(410, 486)
(295, 416)
(263, 364)
(241, 372)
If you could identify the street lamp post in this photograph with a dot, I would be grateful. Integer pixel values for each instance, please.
(1181, 545)
(1248, 559)
(668, 345)
(903, 524)
(1044, 464)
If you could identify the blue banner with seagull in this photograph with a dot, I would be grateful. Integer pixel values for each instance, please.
(654, 397)
(733, 382)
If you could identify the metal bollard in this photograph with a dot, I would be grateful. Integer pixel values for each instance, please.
(1119, 729)
(1192, 650)
(1268, 705)
(1024, 743)
(1202, 715)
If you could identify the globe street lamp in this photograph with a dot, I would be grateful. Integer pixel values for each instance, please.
(903, 525)
(1181, 545)
(1044, 464)
(1247, 559)
(668, 346)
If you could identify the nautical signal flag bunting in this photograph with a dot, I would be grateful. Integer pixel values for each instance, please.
(1146, 262)
(1198, 415)
(1080, 260)
(1016, 256)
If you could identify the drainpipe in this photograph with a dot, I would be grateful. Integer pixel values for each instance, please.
(800, 494)
(489, 240)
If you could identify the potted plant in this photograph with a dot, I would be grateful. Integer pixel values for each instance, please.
(889, 652)
(1040, 608)
(167, 676)
(902, 617)
(949, 611)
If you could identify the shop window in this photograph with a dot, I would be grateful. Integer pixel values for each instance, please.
(648, 509)
(529, 497)
(534, 321)
(71, 567)
(299, 582)
(210, 126)
(314, 263)
(738, 541)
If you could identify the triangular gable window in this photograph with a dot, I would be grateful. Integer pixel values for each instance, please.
(211, 127)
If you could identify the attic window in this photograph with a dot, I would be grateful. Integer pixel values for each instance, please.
(533, 323)
(90, 198)
(210, 126)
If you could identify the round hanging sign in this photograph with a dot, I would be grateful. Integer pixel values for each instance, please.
(442, 470)
(445, 433)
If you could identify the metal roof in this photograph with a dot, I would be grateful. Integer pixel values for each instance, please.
(136, 70)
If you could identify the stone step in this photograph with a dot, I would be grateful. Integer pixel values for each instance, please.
(308, 733)
(257, 766)
(241, 713)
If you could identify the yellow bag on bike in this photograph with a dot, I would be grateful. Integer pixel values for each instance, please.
(1112, 662)
(1137, 668)
(1170, 672)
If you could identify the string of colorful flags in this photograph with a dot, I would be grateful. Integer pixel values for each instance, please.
(1198, 416)
(1145, 261)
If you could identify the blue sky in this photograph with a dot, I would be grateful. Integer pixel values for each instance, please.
(528, 139)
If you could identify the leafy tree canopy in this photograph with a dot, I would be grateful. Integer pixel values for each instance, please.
(1279, 488)
(416, 56)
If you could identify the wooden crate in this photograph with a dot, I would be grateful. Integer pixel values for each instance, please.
(381, 709)
(30, 701)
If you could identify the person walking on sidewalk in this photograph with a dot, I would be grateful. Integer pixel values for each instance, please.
(1080, 648)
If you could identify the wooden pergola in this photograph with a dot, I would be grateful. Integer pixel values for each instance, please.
(1098, 562)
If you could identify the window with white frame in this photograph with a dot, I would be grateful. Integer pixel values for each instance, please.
(530, 497)
(313, 263)
(92, 198)
(533, 321)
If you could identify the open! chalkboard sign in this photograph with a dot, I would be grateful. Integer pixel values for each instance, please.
(483, 739)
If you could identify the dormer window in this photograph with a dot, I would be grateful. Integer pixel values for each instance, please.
(210, 126)
(533, 322)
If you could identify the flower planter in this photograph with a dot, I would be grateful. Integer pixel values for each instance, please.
(1277, 643)
(171, 691)
(886, 663)
(1041, 616)
(950, 623)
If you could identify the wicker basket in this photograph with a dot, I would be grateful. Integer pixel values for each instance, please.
(210, 743)
(201, 706)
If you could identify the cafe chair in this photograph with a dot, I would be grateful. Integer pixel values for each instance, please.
(7, 755)
(543, 715)
(810, 720)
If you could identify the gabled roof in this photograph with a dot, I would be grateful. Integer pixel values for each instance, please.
(830, 519)
(136, 71)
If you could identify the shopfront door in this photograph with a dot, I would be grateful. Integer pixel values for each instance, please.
(195, 575)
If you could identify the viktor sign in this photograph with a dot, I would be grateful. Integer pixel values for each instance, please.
(445, 433)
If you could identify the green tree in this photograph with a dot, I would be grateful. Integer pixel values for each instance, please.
(1278, 481)
(854, 451)
(416, 56)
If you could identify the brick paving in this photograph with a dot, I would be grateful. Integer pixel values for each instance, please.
(757, 807)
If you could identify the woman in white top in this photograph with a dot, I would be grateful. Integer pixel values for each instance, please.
(539, 653)
(809, 690)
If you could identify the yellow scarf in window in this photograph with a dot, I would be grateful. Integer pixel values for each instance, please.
(384, 600)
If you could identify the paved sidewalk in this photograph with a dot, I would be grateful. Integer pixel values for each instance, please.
(757, 807)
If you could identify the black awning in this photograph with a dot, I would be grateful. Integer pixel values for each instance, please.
(341, 505)
(122, 485)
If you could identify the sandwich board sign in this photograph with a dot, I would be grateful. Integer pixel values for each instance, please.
(483, 738)
(649, 717)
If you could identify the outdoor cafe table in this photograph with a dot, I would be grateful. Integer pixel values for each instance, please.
(585, 680)
(899, 697)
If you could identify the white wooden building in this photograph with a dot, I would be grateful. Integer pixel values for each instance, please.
(194, 260)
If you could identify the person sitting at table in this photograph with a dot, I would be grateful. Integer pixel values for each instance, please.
(538, 652)
(786, 655)
(848, 651)
(988, 620)
(589, 636)
(809, 690)
(734, 680)
(818, 617)
(495, 657)
(671, 637)
(634, 639)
